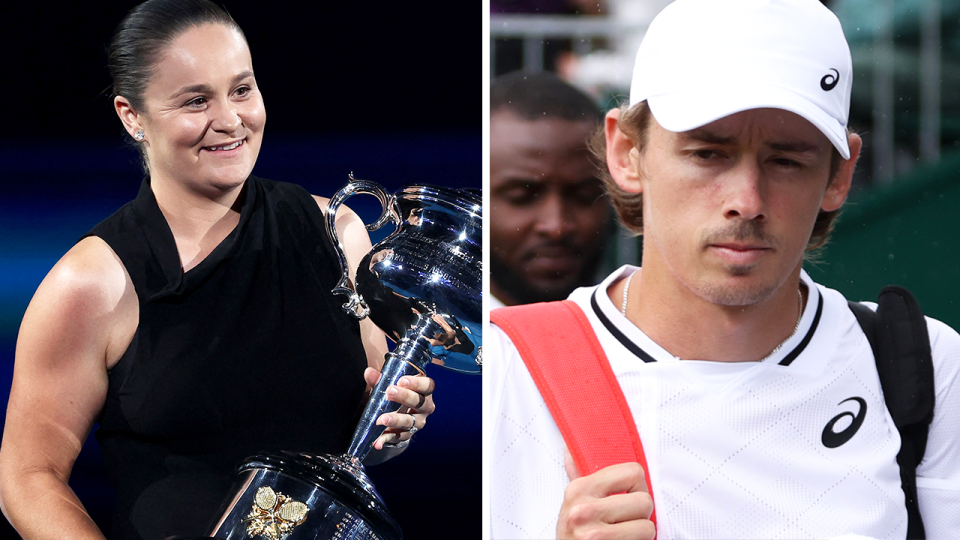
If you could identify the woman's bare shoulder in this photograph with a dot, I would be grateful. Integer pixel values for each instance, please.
(89, 291)
(90, 268)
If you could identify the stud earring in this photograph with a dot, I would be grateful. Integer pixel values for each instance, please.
(138, 135)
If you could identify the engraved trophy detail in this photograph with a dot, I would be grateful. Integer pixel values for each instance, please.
(422, 286)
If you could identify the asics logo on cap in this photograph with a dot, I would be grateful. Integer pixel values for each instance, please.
(830, 80)
(833, 439)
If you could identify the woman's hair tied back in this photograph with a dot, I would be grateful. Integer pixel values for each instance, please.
(141, 36)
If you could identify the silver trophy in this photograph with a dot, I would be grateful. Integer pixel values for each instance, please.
(422, 286)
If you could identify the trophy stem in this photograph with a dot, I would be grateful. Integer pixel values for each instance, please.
(409, 358)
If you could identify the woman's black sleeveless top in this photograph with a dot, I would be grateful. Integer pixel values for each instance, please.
(245, 353)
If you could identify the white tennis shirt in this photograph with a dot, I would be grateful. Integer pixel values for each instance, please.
(736, 450)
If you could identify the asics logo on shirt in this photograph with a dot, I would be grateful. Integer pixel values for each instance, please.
(830, 80)
(833, 439)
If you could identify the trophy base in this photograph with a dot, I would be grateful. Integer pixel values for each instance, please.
(300, 497)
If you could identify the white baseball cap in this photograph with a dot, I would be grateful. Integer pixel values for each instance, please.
(702, 60)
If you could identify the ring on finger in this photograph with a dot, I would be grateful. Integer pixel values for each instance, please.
(413, 428)
(423, 399)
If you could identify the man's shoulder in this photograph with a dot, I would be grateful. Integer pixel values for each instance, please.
(944, 346)
(580, 295)
(944, 339)
(532, 323)
(536, 307)
(525, 326)
(939, 331)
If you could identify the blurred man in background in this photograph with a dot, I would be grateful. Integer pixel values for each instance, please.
(552, 217)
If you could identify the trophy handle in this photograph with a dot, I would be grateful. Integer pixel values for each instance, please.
(355, 304)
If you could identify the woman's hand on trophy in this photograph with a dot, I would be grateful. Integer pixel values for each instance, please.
(415, 394)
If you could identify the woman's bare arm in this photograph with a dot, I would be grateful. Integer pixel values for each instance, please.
(356, 243)
(78, 324)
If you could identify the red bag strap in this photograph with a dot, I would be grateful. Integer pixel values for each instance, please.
(569, 367)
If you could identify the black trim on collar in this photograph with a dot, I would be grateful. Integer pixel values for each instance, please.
(806, 339)
(621, 337)
(641, 354)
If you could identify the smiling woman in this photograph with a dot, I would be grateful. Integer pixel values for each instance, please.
(199, 125)
(196, 324)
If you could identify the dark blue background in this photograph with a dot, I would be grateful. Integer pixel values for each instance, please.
(374, 89)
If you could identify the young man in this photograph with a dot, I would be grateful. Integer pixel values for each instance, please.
(754, 390)
(552, 219)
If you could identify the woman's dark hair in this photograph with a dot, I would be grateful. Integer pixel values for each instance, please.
(145, 31)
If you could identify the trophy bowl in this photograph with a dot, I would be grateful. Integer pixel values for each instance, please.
(421, 285)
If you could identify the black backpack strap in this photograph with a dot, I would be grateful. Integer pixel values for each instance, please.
(901, 346)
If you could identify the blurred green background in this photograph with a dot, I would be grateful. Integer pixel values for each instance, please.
(903, 234)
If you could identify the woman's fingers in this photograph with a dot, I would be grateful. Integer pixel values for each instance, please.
(413, 392)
